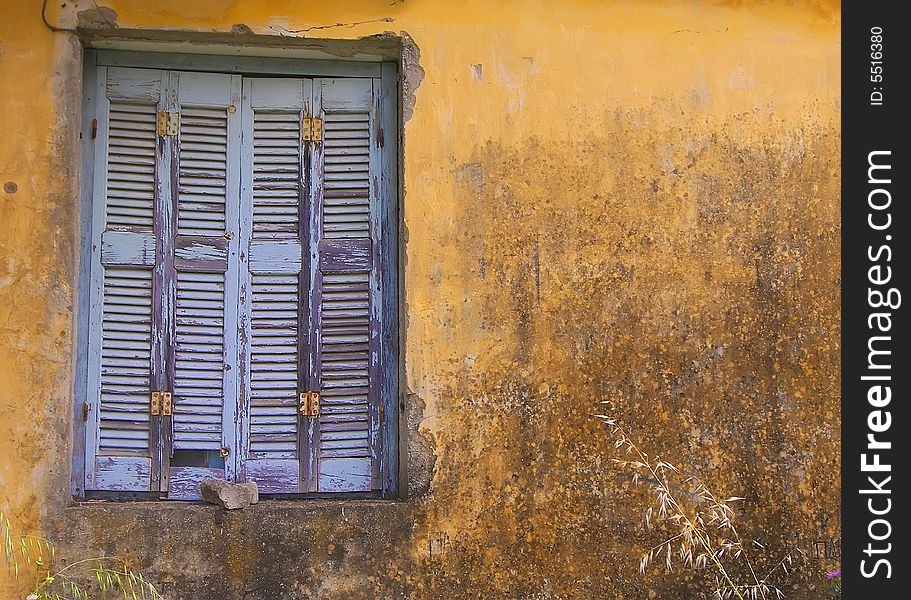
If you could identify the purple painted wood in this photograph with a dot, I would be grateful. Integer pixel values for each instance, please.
(80, 403)
(122, 473)
(311, 243)
(201, 371)
(306, 458)
(183, 482)
(391, 290)
(313, 279)
(128, 248)
(139, 85)
(231, 423)
(345, 475)
(201, 253)
(158, 352)
(244, 233)
(343, 255)
(344, 341)
(275, 256)
(166, 227)
(311, 246)
(376, 408)
(271, 302)
(274, 475)
(120, 436)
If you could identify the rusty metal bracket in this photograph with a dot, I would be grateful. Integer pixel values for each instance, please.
(168, 123)
(306, 129)
(161, 404)
(167, 404)
(311, 129)
(309, 404)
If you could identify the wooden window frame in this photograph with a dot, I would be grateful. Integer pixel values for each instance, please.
(391, 251)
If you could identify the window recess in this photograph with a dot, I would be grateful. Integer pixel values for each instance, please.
(241, 243)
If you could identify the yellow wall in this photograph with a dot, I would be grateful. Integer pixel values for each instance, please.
(37, 265)
(635, 201)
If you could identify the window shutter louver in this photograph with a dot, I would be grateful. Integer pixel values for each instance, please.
(345, 288)
(272, 297)
(126, 325)
(203, 356)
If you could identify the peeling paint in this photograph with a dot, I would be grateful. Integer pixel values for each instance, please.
(412, 75)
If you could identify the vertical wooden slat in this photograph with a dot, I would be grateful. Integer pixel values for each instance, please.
(245, 232)
(376, 326)
(307, 459)
(166, 293)
(391, 291)
(83, 299)
(230, 424)
(313, 284)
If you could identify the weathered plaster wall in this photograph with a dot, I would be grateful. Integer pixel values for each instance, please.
(604, 200)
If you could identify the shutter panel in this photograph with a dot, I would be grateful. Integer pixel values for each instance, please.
(125, 328)
(203, 362)
(225, 271)
(345, 288)
(271, 290)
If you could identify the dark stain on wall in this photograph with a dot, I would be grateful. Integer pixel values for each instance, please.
(699, 296)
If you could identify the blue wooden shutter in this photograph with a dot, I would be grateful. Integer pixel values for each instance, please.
(126, 325)
(237, 265)
(202, 364)
(273, 303)
(345, 287)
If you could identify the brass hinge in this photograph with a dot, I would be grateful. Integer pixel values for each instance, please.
(309, 404)
(167, 123)
(312, 129)
(161, 404)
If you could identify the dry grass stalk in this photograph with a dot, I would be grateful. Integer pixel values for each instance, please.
(705, 533)
(110, 574)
